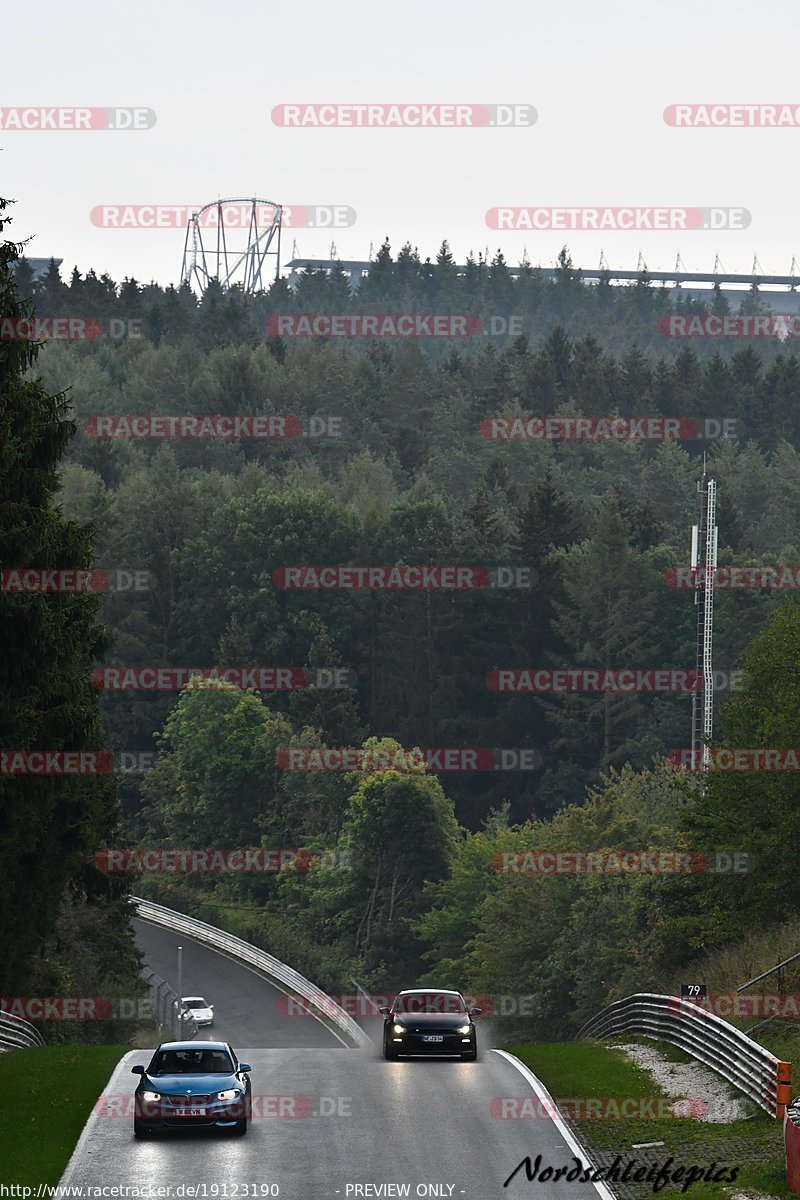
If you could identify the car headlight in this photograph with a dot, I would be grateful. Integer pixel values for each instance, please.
(398, 1028)
(464, 1029)
(231, 1094)
(150, 1095)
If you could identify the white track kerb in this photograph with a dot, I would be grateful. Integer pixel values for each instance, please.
(566, 1133)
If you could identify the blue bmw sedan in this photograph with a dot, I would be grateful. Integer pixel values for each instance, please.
(191, 1085)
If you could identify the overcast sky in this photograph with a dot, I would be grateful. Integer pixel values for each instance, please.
(599, 75)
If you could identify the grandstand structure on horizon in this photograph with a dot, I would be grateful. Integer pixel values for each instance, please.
(779, 292)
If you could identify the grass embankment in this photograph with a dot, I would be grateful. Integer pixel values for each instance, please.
(594, 1070)
(46, 1096)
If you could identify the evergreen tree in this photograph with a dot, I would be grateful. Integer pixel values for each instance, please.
(51, 823)
(51, 291)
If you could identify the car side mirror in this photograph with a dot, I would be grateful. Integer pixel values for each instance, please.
(137, 1070)
(245, 1067)
(211, 1006)
(385, 1012)
(476, 1012)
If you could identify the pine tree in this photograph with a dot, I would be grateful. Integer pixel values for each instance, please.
(376, 287)
(51, 292)
(24, 279)
(51, 823)
(719, 305)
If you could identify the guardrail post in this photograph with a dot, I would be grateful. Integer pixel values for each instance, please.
(179, 993)
(784, 1088)
(791, 1141)
(162, 1000)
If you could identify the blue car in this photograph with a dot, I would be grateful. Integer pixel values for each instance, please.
(190, 1085)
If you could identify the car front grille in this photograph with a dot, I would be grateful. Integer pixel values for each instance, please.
(425, 1029)
(187, 1101)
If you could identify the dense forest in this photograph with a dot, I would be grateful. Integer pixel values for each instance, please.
(390, 465)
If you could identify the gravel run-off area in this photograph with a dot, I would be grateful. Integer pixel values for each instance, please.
(696, 1089)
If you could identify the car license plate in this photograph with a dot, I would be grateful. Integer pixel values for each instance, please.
(191, 1112)
(433, 1037)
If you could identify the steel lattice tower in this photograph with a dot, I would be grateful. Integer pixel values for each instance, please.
(704, 565)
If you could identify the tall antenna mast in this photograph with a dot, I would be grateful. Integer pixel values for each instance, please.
(704, 564)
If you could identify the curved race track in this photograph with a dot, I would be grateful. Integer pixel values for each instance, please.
(248, 1011)
(329, 1123)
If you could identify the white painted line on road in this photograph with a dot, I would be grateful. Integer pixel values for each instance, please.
(262, 975)
(566, 1133)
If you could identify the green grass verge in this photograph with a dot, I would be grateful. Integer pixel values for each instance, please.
(594, 1070)
(46, 1096)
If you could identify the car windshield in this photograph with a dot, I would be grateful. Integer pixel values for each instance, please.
(191, 1062)
(429, 1002)
(194, 1002)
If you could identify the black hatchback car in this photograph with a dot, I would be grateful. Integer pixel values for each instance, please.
(429, 1021)
(191, 1084)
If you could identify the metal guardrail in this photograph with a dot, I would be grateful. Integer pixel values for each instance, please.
(779, 968)
(240, 951)
(16, 1033)
(708, 1038)
(362, 991)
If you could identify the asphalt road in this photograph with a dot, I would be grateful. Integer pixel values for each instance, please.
(329, 1123)
(348, 1119)
(248, 1011)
